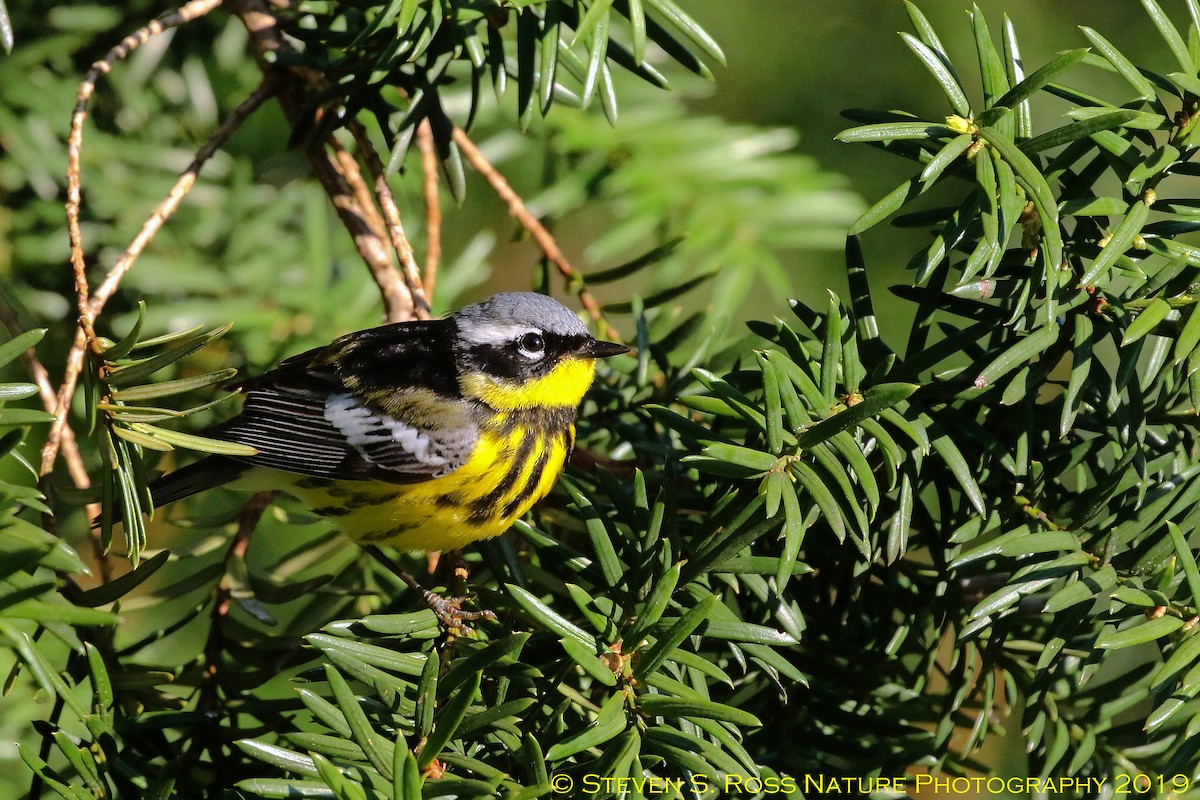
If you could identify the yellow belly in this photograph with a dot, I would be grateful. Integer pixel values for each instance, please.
(504, 477)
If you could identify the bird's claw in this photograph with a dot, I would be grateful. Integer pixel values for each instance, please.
(450, 613)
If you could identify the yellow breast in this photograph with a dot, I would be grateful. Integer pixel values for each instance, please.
(511, 468)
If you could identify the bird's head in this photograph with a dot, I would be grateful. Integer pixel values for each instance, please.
(525, 350)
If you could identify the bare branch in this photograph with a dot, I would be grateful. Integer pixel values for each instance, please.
(187, 12)
(338, 175)
(58, 427)
(433, 205)
(543, 237)
(371, 247)
(70, 447)
(391, 214)
(187, 179)
(90, 308)
(87, 314)
(362, 193)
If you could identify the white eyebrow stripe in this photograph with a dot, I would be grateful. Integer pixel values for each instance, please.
(492, 333)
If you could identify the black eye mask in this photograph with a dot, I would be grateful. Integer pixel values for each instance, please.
(507, 362)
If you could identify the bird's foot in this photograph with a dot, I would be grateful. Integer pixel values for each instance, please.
(450, 613)
(448, 610)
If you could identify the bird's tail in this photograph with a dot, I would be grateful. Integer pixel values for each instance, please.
(187, 481)
(194, 478)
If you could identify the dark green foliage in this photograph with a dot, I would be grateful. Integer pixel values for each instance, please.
(807, 551)
(1063, 367)
(116, 392)
(553, 51)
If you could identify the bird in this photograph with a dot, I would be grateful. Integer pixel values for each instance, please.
(421, 435)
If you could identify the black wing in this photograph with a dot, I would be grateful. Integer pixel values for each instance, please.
(378, 404)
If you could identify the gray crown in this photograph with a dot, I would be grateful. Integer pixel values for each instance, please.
(521, 309)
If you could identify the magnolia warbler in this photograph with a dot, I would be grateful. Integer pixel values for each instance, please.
(422, 435)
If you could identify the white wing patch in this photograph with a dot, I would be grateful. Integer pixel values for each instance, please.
(364, 428)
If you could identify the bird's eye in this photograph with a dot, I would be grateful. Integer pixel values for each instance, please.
(531, 344)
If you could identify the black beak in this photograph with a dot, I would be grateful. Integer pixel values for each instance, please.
(596, 348)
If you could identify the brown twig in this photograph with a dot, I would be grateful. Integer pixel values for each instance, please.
(91, 308)
(371, 247)
(70, 447)
(339, 177)
(397, 300)
(60, 435)
(433, 205)
(87, 332)
(362, 193)
(383, 194)
(58, 427)
(187, 179)
(187, 12)
(543, 237)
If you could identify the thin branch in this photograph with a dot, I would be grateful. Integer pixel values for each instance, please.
(339, 177)
(433, 205)
(391, 214)
(70, 447)
(543, 237)
(87, 313)
(75, 142)
(87, 331)
(58, 427)
(362, 193)
(163, 211)
(60, 434)
(187, 12)
(372, 247)
(90, 309)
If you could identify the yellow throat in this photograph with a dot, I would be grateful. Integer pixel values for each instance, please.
(564, 385)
